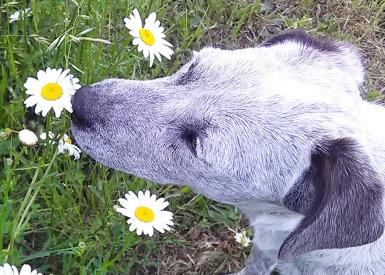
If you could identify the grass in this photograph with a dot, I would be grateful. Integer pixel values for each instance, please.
(57, 214)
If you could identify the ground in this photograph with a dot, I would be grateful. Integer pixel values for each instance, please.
(56, 213)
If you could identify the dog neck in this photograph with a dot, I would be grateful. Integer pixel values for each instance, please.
(271, 222)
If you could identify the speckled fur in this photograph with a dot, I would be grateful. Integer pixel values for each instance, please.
(256, 115)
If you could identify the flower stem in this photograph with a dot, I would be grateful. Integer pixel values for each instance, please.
(21, 216)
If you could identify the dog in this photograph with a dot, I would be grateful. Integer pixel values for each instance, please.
(279, 130)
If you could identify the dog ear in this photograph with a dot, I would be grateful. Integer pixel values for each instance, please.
(345, 209)
(324, 53)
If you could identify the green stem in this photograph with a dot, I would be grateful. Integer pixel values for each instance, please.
(21, 216)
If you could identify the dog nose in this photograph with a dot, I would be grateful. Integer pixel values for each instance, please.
(80, 106)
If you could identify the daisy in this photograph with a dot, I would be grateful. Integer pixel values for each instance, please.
(149, 37)
(27, 137)
(53, 88)
(19, 14)
(12, 270)
(51, 136)
(66, 144)
(145, 213)
(242, 238)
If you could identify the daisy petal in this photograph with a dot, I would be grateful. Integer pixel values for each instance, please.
(123, 211)
(39, 107)
(145, 52)
(41, 75)
(158, 56)
(132, 227)
(150, 231)
(31, 101)
(150, 21)
(141, 47)
(124, 203)
(139, 231)
(140, 195)
(151, 58)
(57, 109)
(25, 270)
(136, 41)
(159, 228)
(31, 83)
(7, 269)
(45, 110)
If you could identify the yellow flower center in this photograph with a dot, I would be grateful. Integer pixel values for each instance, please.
(68, 140)
(51, 91)
(147, 36)
(8, 131)
(144, 214)
(243, 242)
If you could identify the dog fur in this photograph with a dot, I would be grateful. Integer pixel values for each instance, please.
(279, 130)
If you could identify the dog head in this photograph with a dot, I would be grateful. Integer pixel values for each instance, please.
(230, 124)
(233, 125)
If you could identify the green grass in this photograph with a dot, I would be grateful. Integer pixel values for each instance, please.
(57, 214)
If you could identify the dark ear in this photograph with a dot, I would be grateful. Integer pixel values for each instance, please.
(345, 208)
(300, 36)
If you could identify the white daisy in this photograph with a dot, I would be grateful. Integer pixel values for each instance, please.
(145, 213)
(9, 161)
(51, 136)
(65, 144)
(149, 37)
(12, 270)
(53, 88)
(27, 137)
(242, 238)
(20, 14)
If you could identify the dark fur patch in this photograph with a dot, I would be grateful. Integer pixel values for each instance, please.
(189, 76)
(301, 196)
(300, 36)
(347, 207)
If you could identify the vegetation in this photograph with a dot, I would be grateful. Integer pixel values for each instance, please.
(56, 213)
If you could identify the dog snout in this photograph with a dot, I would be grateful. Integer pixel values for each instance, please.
(81, 102)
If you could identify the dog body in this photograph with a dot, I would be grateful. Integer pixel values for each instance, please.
(272, 225)
(279, 130)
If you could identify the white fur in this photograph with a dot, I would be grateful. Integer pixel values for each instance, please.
(266, 109)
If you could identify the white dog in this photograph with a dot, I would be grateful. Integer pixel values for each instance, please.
(279, 130)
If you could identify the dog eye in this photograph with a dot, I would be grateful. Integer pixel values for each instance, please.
(194, 144)
(191, 139)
